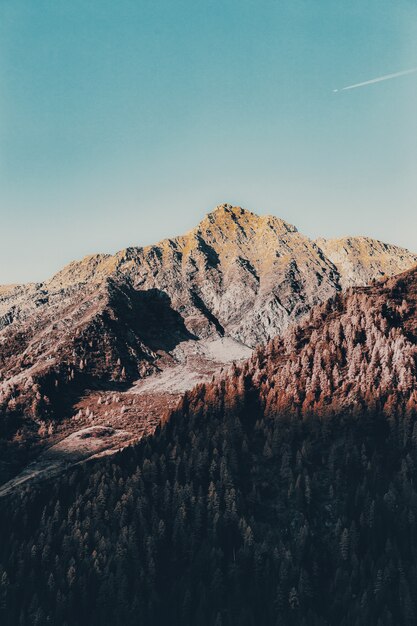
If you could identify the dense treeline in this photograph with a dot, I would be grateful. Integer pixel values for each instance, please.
(283, 494)
(224, 517)
(357, 352)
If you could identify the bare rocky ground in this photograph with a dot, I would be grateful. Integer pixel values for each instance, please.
(84, 444)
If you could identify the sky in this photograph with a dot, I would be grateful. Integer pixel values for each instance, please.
(122, 123)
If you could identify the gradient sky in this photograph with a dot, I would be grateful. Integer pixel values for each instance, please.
(123, 122)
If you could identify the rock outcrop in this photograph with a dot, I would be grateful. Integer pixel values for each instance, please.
(359, 260)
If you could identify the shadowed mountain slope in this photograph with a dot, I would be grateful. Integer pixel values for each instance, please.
(109, 337)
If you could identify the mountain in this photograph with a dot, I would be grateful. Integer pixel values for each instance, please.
(360, 259)
(282, 492)
(236, 273)
(145, 324)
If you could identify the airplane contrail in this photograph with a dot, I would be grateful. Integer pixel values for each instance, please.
(377, 80)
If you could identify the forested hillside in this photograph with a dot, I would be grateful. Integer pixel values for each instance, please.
(283, 494)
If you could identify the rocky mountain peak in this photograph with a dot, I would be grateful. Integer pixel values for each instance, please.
(226, 216)
(235, 273)
(93, 267)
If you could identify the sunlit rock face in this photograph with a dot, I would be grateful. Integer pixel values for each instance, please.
(236, 273)
(359, 260)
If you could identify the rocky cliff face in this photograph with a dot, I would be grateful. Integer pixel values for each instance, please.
(237, 274)
(359, 260)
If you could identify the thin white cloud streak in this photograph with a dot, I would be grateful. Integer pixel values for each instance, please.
(377, 80)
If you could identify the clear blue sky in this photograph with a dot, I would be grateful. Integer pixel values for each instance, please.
(122, 122)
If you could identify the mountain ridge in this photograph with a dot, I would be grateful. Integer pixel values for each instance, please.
(98, 265)
(229, 244)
